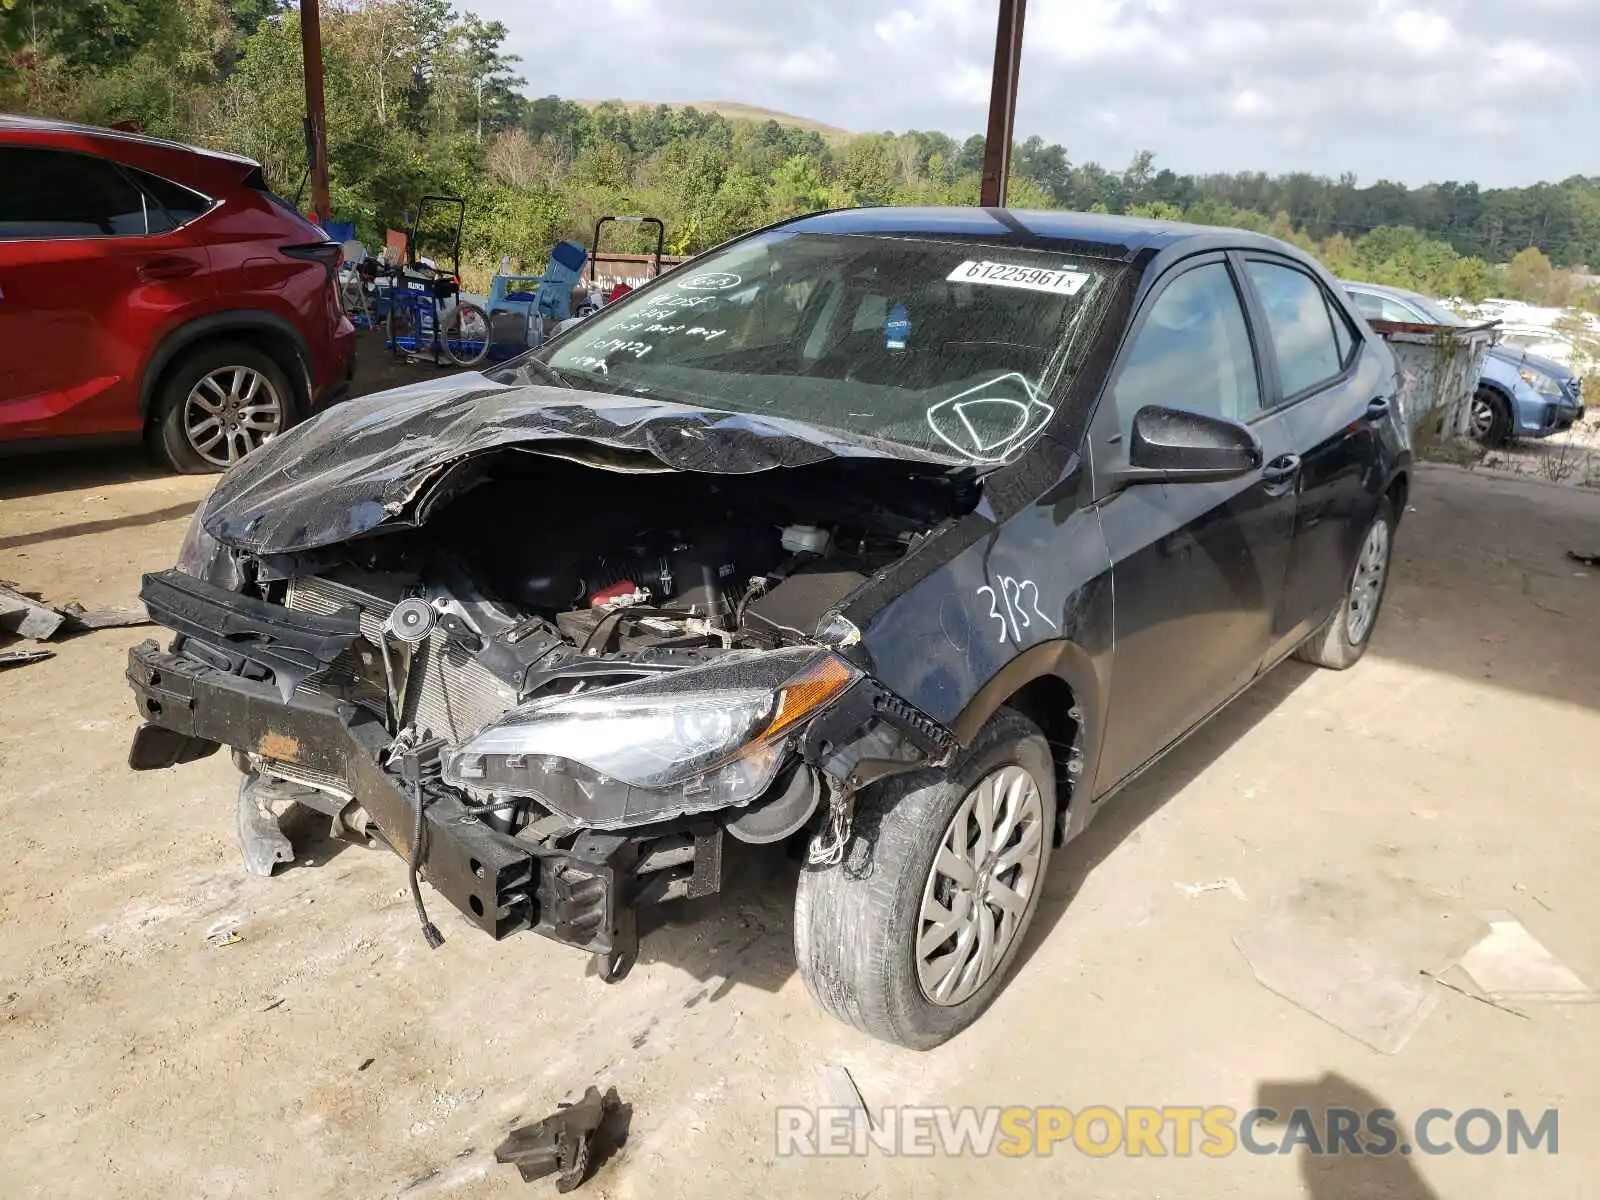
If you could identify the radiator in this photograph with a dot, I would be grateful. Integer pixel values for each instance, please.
(449, 693)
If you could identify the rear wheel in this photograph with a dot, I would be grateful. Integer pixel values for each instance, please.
(1343, 637)
(466, 335)
(1490, 419)
(911, 937)
(218, 405)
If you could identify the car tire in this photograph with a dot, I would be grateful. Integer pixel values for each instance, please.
(251, 395)
(858, 924)
(1490, 418)
(1342, 639)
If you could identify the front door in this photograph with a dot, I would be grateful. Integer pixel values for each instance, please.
(1197, 568)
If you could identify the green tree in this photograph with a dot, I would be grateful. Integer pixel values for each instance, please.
(870, 169)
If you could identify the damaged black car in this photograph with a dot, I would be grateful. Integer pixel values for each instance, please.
(905, 537)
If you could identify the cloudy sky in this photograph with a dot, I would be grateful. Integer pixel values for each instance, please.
(1501, 91)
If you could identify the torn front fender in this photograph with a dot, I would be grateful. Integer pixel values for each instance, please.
(870, 733)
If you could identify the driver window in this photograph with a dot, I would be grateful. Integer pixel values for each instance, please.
(1192, 352)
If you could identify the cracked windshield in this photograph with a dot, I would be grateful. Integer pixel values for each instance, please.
(951, 348)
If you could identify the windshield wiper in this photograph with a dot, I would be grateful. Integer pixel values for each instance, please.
(507, 371)
(549, 372)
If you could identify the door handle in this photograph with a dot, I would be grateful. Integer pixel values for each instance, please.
(1377, 408)
(158, 269)
(1281, 469)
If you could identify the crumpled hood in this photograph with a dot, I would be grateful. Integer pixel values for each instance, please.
(365, 462)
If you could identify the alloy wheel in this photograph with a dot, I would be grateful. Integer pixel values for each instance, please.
(1482, 418)
(230, 412)
(976, 897)
(1366, 586)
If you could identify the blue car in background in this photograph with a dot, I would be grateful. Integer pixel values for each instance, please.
(1520, 395)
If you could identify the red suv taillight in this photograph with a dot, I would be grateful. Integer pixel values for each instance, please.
(326, 253)
(329, 255)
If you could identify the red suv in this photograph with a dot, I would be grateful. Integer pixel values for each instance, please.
(157, 289)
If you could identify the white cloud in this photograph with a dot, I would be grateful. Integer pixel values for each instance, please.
(897, 26)
(969, 84)
(811, 65)
(1423, 33)
(1403, 89)
(1251, 104)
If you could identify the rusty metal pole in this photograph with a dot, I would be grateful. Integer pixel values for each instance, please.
(316, 121)
(1002, 103)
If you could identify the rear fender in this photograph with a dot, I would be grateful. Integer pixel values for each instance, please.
(287, 343)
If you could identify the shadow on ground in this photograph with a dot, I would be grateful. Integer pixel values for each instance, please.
(742, 935)
(1312, 1113)
(1140, 800)
(1482, 589)
(745, 933)
(72, 470)
(83, 528)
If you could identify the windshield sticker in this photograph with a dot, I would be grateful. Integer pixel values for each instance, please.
(986, 424)
(1019, 598)
(1062, 282)
(711, 281)
(897, 328)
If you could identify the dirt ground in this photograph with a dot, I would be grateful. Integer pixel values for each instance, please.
(328, 1052)
(1572, 456)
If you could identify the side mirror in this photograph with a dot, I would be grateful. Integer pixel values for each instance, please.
(1170, 445)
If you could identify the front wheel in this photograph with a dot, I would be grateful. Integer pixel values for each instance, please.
(1490, 418)
(911, 937)
(465, 334)
(1343, 637)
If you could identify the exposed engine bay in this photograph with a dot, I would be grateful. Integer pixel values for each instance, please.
(538, 577)
(598, 667)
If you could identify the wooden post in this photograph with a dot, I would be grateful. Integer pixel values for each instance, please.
(316, 121)
(1002, 103)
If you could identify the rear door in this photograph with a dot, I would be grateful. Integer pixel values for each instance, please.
(88, 264)
(1197, 568)
(1337, 393)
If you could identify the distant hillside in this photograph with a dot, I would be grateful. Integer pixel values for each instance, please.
(734, 111)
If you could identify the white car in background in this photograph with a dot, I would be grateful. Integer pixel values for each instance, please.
(1543, 342)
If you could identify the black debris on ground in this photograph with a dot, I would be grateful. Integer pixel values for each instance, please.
(571, 1141)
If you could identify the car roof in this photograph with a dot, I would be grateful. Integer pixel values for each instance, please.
(1099, 235)
(17, 123)
(1383, 289)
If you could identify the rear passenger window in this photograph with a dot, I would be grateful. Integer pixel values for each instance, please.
(1367, 304)
(179, 203)
(1299, 325)
(54, 194)
(1192, 352)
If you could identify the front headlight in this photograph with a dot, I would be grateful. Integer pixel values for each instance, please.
(1540, 382)
(687, 741)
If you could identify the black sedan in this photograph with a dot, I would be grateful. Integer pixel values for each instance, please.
(906, 537)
